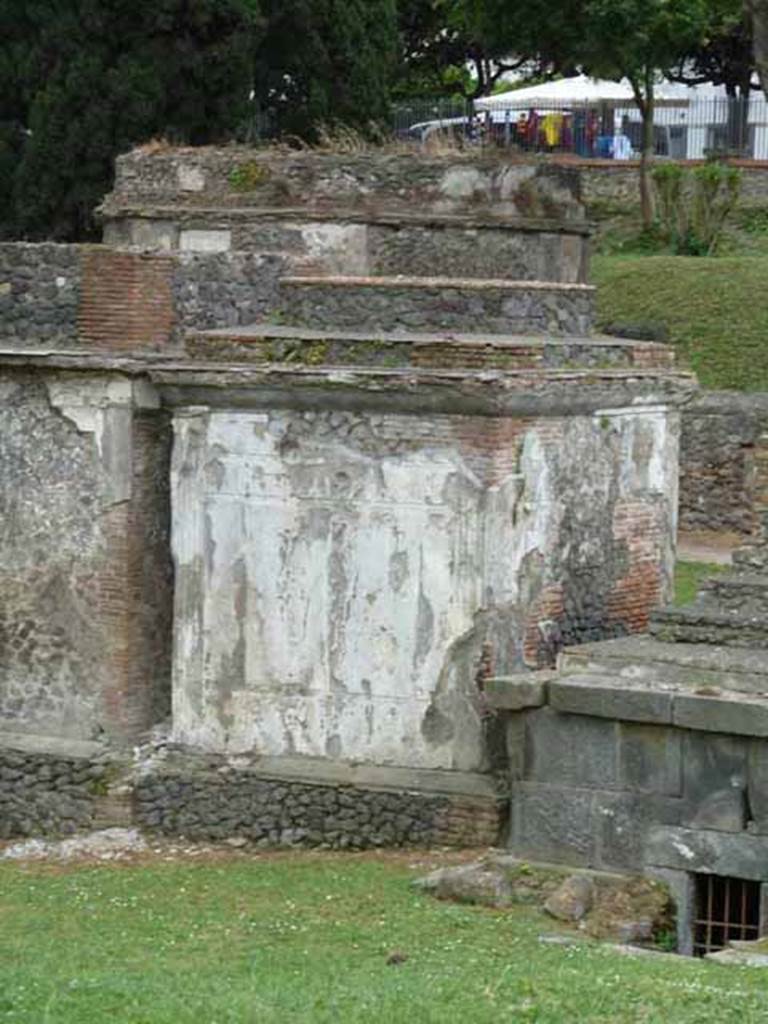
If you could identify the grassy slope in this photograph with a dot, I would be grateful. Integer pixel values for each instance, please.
(306, 937)
(716, 310)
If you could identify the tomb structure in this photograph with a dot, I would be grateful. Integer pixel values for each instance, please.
(357, 402)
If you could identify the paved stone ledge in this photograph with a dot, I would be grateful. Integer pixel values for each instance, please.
(530, 392)
(264, 343)
(641, 658)
(517, 692)
(486, 220)
(718, 853)
(57, 746)
(708, 710)
(464, 283)
(604, 698)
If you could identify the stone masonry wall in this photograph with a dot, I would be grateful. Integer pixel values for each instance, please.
(215, 803)
(225, 289)
(85, 575)
(40, 288)
(724, 462)
(391, 304)
(117, 301)
(47, 794)
(620, 795)
(609, 182)
(237, 177)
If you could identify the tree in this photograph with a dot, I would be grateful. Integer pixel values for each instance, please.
(757, 13)
(636, 39)
(724, 57)
(83, 80)
(326, 61)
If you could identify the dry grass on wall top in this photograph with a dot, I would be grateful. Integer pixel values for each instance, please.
(716, 310)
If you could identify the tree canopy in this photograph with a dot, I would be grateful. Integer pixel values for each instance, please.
(83, 80)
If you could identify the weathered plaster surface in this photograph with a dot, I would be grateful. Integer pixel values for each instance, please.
(345, 579)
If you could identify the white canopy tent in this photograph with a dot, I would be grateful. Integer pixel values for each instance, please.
(583, 90)
(689, 114)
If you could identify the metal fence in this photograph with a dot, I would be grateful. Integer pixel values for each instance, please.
(685, 129)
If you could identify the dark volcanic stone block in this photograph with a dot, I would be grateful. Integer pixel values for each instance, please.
(650, 759)
(553, 823)
(571, 749)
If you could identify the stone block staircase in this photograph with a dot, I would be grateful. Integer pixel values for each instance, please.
(404, 321)
(703, 666)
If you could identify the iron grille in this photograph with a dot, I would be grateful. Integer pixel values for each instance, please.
(726, 908)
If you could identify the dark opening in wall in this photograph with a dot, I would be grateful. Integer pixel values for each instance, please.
(725, 909)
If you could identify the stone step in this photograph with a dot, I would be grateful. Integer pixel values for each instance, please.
(274, 343)
(643, 659)
(707, 623)
(737, 591)
(437, 303)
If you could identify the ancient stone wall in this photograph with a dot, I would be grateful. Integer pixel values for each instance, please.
(724, 462)
(205, 799)
(376, 214)
(101, 299)
(611, 183)
(627, 777)
(84, 568)
(353, 610)
(40, 289)
(239, 177)
(49, 789)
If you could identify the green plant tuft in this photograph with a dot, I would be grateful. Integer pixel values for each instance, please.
(248, 176)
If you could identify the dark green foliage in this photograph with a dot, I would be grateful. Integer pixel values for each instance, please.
(87, 79)
(326, 61)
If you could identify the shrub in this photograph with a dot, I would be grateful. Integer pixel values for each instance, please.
(693, 206)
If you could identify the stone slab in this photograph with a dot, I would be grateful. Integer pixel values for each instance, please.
(727, 712)
(714, 781)
(553, 823)
(604, 697)
(54, 745)
(642, 658)
(320, 771)
(699, 850)
(515, 693)
(571, 748)
(650, 758)
(622, 821)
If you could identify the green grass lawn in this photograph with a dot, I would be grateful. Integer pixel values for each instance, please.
(716, 310)
(307, 937)
(688, 578)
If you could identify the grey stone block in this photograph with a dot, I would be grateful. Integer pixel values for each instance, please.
(681, 889)
(515, 693)
(719, 853)
(724, 811)
(712, 764)
(570, 748)
(552, 823)
(515, 737)
(757, 784)
(726, 713)
(610, 698)
(622, 821)
(650, 758)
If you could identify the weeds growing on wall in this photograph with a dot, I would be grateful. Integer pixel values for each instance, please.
(694, 205)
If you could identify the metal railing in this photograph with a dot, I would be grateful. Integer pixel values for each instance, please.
(682, 130)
